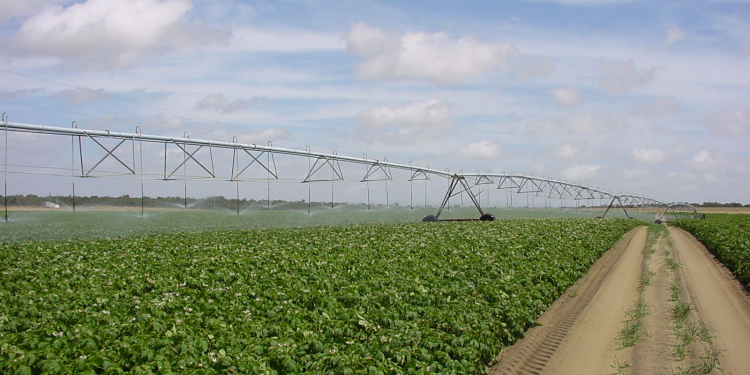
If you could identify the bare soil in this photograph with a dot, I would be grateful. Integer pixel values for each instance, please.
(582, 332)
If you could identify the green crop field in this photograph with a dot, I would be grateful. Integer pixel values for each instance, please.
(377, 298)
(728, 238)
(47, 225)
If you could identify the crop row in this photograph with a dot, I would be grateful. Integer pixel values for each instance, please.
(380, 299)
(728, 238)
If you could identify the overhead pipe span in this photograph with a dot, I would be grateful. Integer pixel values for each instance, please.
(517, 179)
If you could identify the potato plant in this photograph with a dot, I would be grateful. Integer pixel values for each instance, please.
(366, 299)
(728, 238)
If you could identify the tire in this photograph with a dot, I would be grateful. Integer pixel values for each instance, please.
(487, 217)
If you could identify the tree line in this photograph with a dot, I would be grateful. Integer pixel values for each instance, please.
(215, 202)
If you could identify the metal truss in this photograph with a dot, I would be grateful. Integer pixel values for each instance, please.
(322, 160)
(374, 169)
(269, 166)
(200, 153)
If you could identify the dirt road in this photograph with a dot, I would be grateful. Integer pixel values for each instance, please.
(658, 303)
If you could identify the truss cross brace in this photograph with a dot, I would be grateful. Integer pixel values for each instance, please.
(670, 208)
(256, 159)
(419, 174)
(616, 198)
(108, 154)
(324, 160)
(534, 189)
(450, 193)
(484, 180)
(373, 169)
(190, 155)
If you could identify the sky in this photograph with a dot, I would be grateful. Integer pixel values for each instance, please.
(641, 97)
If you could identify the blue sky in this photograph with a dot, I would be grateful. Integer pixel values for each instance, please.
(646, 97)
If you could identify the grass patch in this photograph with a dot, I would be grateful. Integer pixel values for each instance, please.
(675, 292)
(680, 351)
(633, 329)
(621, 367)
(706, 364)
(647, 278)
(681, 311)
(655, 231)
(672, 264)
(704, 333)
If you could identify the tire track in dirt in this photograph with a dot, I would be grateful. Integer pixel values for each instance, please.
(579, 332)
(719, 301)
(533, 354)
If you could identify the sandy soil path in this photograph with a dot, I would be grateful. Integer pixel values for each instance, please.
(719, 301)
(583, 332)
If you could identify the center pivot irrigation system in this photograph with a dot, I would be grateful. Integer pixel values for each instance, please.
(473, 184)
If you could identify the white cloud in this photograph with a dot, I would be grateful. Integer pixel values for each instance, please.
(81, 95)
(283, 40)
(407, 124)
(584, 124)
(371, 41)
(703, 161)
(717, 166)
(730, 122)
(104, 34)
(649, 155)
(567, 151)
(271, 134)
(20, 93)
(575, 150)
(163, 122)
(620, 77)
(211, 101)
(481, 150)
(219, 103)
(580, 123)
(658, 107)
(581, 172)
(533, 67)
(10, 9)
(435, 57)
(235, 106)
(216, 131)
(674, 34)
(566, 97)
